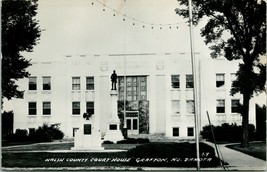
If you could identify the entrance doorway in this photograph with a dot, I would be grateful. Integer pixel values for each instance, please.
(132, 122)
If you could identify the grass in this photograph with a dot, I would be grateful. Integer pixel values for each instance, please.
(5, 143)
(17, 157)
(61, 146)
(256, 149)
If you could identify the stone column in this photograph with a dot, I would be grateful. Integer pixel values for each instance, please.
(113, 133)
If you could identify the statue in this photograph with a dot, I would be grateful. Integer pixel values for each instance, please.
(113, 80)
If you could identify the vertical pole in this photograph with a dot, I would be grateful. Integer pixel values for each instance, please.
(213, 136)
(124, 76)
(195, 83)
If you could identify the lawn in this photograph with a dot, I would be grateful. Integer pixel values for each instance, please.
(256, 149)
(161, 154)
(61, 146)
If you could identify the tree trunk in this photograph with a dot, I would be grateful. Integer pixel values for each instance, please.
(245, 120)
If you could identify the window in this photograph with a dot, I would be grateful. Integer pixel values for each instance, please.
(219, 80)
(175, 81)
(233, 78)
(234, 106)
(90, 107)
(32, 83)
(136, 88)
(190, 106)
(190, 131)
(220, 108)
(46, 108)
(46, 83)
(175, 131)
(189, 81)
(89, 83)
(76, 108)
(175, 107)
(75, 83)
(32, 108)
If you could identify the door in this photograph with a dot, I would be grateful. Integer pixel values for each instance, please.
(132, 124)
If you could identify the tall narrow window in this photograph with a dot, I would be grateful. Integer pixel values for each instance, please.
(32, 108)
(190, 107)
(76, 83)
(175, 81)
(175, 131)
(136, 88)
(220, 80)
(175, 107)
(90, 107)
(46, 83)
(220, 108)
(190, 131)
(89, 83)
(32, 83)
(189, 81)
(46, 108)
(234, 106)
(76, 108)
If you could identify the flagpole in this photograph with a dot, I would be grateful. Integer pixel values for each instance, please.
(195, 84)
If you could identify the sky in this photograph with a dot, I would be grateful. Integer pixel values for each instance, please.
(76, 27)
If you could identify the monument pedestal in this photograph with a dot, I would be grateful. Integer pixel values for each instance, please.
(88, 137)
(113, 133)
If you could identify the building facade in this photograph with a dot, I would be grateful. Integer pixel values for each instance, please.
(156, 90)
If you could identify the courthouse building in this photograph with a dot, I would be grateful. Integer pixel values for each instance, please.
(158, 93)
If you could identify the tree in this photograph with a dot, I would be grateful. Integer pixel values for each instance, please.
(243, 21)
(20, 32)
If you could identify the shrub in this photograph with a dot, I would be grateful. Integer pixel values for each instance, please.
(185, 153)
(56, 133)
(46, 133)
(226, 132)
(133, 141)
(19, 136)
(42, 134)
(108, 142)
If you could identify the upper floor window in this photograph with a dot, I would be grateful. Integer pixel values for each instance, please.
(220, 80)
(32, 83)
(90, 107)
(234, 105)
(189, 81)
(233, 78)
(136, 88)
(175, 107)
(46, 83)
(89, 83)
(46, 108)
(175, 81)
(76, 85)
(190, 106)
(76, 108)
(32, 108)
(220, 108)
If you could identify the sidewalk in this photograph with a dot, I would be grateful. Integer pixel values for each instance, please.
(238, 160)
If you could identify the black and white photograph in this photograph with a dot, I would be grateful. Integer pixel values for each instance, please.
(133, 85)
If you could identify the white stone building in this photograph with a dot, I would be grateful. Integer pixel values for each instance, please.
(159, 93)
